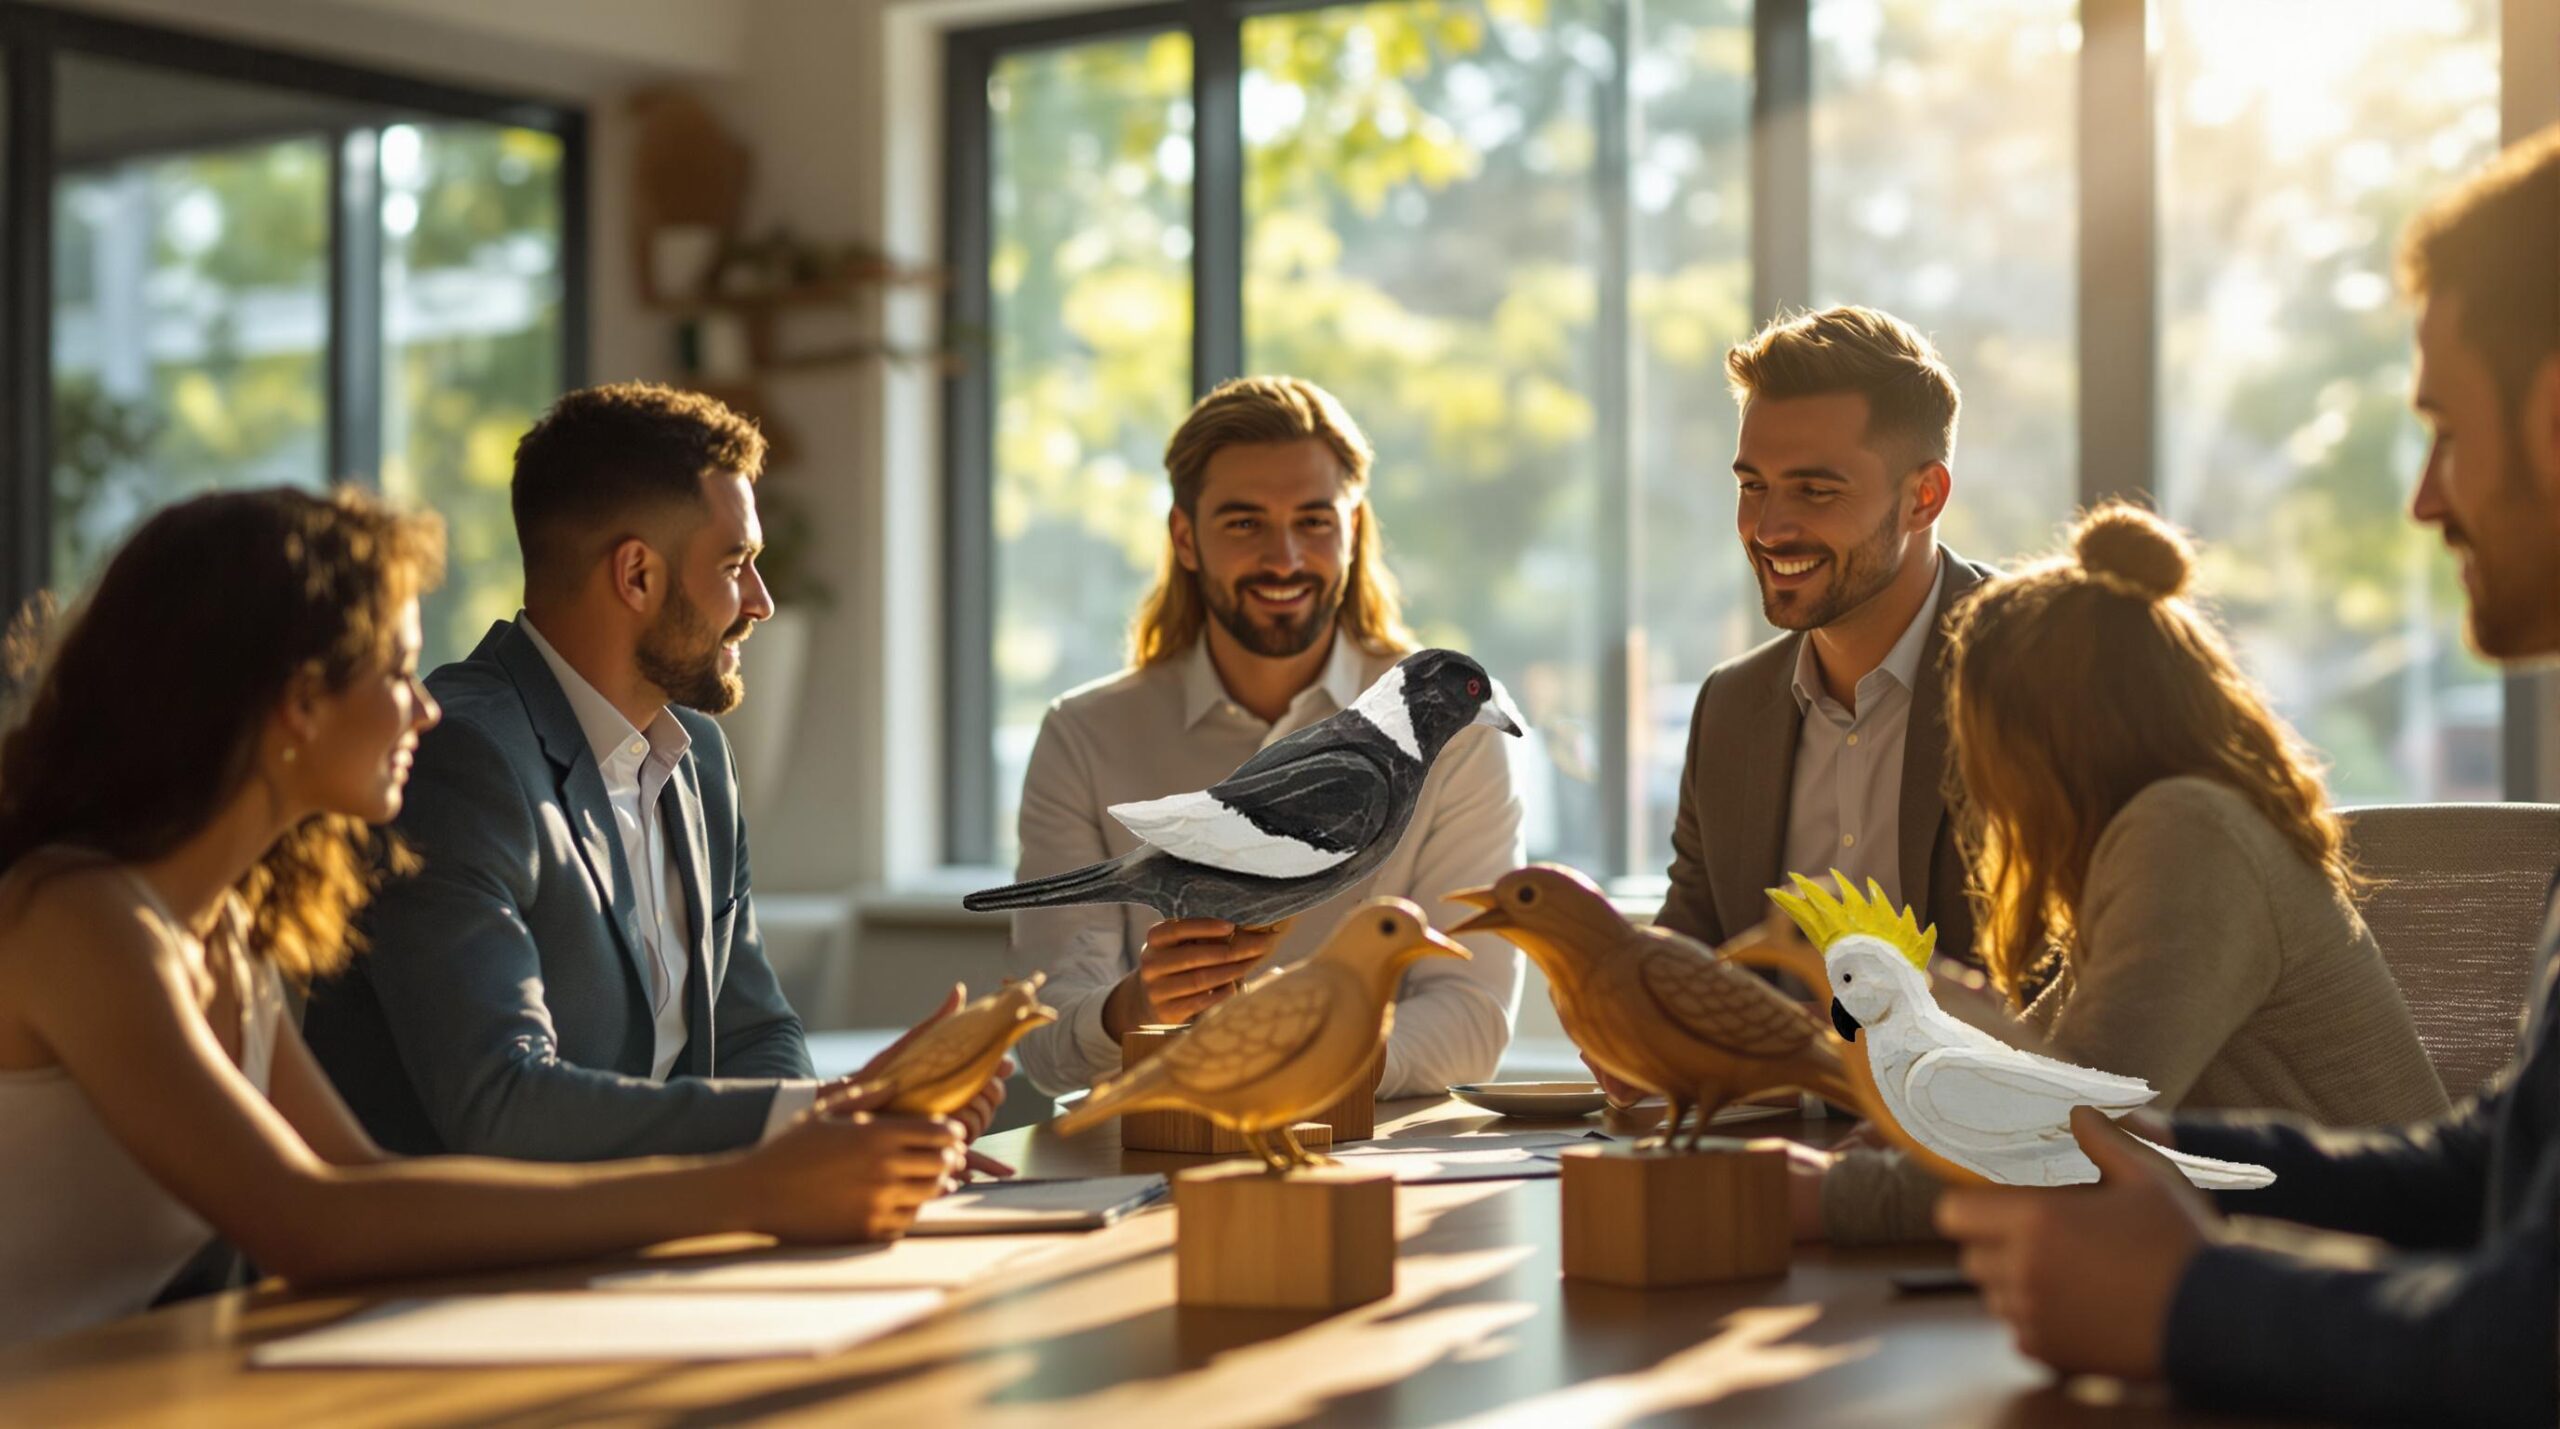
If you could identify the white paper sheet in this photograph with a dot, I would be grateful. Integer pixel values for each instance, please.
(577, 1327)
(1037, 1205)
(933, 1263)
(1479, 1156)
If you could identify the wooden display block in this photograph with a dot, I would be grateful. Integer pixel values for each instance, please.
(1650, 1219)
(1354, 1118)
(1318, 1239)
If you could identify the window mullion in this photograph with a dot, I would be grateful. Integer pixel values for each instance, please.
(26, 313)
(968, 447)
(1619, 531)
(356, 348)
(1781, 157)
(1217, 194)
(2119, 259)
(2529, 99)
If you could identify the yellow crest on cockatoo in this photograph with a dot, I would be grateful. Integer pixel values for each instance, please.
(1826, 919)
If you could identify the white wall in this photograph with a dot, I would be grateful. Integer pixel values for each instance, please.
(807, 105)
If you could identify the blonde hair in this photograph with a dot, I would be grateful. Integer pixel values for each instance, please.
(1911, 395)
(1252, 411)
(2076, 684)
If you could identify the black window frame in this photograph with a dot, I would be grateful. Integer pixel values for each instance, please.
(2116, 342)
(34, 38)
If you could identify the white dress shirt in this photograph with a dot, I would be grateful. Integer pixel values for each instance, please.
(1171, 728)
(636, 766)
(1845, 808)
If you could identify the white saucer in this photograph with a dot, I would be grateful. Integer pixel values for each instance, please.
(1550, 1101)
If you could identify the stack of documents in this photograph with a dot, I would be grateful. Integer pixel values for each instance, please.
(777, 1303)
(985, 1206)
(1476, 1156)
(937, 1263)
(571, 1327)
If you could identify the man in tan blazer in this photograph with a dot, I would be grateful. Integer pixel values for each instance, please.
(1827, 747)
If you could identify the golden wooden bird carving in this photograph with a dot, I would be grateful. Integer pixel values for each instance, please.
(938, 1073)
(1290, 1043)
(1656, 1009)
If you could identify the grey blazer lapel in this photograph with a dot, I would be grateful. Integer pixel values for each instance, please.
(683, 795)
(582, 795)
(1924, 745)
(693, 857)
(1761, 787)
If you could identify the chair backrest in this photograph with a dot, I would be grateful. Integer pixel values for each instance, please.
(2456, 902)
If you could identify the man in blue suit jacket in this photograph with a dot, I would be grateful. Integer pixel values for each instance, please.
(576, 972)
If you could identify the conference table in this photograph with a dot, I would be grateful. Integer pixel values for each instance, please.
(1481, 1330)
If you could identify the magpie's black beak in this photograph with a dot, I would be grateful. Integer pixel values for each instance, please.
(1842, 1022)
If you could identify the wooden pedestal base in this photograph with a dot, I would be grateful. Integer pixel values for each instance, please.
(1198, 1136)
(1354, 1118)
(1646, 1220)
(1320, 1239)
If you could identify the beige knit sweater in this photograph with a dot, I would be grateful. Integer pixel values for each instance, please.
(2214, 963)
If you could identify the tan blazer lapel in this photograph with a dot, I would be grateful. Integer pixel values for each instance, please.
(1760, 782)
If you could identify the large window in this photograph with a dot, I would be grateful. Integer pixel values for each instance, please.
(1090, 277)
(2288, 443)
(473, 270)
(1422, 240)
(1944, 193)
(190, 296)
(1517, 236)
(271, 270)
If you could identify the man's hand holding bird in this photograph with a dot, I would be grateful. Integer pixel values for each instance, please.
(1959, 1100)
(2084, 1275)
(1185, 967)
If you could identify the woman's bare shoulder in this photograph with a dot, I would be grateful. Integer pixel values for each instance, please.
(56, 904)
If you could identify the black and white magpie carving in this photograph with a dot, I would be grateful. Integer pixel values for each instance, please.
(1297, 823)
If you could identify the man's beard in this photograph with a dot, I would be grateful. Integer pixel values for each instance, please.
(2515, 612)
(2515, 608)
(679, 655)
(1856, 576)
(1289, 637)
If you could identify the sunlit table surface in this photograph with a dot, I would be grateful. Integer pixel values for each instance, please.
(1482, 1329)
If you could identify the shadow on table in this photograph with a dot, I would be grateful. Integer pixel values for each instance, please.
(1465, 1334)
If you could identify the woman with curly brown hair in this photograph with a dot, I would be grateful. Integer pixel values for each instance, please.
(186, 802)
(2164, 890)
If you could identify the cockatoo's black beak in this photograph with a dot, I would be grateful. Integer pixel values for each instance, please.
(1842, 1022)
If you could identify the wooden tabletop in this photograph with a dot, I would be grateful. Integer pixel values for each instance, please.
(1481, 1330)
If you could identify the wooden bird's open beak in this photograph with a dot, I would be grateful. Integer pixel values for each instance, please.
(1774, 943)
(1491, 920)
(1442, 945)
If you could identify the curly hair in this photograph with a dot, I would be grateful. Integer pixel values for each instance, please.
(2074, 685)
(137, 717)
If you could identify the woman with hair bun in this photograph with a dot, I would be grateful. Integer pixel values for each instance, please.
(187, 795)
(2163, 889)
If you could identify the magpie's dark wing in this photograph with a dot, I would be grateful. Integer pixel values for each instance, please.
(1324, 734)
(1286, 820)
